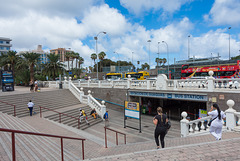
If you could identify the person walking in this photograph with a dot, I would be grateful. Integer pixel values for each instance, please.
(82, 115)
(105, 116)
(36, 85)
(216, 123)
(160, 120)
(30, 106)
(31, 85)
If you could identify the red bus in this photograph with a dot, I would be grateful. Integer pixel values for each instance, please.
(220, 71)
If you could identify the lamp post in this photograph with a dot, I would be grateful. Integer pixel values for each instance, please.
(118, 61)
(158, 57)
(229, 40)
(149, 41)
(96, 38)
(188, 47)
(167, 57)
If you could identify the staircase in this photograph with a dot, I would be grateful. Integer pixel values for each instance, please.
(73, 122)
(29, 147)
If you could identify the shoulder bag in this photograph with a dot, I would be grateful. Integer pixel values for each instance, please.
(210, 122)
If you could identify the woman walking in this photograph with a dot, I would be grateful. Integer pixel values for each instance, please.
(216, 125)
(160, 120)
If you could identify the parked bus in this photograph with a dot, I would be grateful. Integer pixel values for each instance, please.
(142, 75)
(220, 71)
(113, 76)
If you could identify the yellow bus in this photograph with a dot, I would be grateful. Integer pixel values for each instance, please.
(113, 76)
(142, 75)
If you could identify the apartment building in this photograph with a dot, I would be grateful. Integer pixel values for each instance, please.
(5, 44)
(61, 52)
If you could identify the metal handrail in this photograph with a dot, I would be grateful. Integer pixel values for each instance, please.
(39, 134)
(60, 113)
(106, 128)
(14, 112)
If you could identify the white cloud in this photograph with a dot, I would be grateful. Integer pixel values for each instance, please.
(224, 12)
(141, 6)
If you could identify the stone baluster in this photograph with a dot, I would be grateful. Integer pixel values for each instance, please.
(69, 82)
(184, 125)
(103, 108)
(202, 126)
(210, 81)
(89, 81)
(89, 99)
(81, 95)
(65, 82)
(230, 117)
(196, 126)
(148, 84)
(191, 128)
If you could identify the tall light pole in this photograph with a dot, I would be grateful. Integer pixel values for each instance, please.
(158, 57)
(167, 57)
(96, 38)
(229, 41)
(149, 41)
(188, 47)
(118, 61)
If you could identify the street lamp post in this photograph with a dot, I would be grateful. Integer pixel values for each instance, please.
(96, 38)
(188, 47)
(149, 41)
(118, 62)
(167, 57)
(158, 57)
(229, 41)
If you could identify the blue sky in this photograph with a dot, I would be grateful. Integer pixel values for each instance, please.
(129, 25)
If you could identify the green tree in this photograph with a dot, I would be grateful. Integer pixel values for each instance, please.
(145, 66)
(94, 57)
(53, 68)
(101, 56)
(31, 60)
(68, 56)
(164, 60)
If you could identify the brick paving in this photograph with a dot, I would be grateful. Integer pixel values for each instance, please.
(203, 147)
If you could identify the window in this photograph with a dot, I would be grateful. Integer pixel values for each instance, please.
(1, 42)
(7, 42)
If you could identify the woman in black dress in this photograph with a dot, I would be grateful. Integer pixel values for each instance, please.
(160, 120)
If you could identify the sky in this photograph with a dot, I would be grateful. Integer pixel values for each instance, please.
(178, 29)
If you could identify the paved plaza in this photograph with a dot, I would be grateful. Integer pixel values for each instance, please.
(140, 146)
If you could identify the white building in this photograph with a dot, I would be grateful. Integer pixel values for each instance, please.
(5, 45)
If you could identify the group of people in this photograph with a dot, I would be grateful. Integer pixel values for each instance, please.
(161, 121)
(33, 85)
(93, 113)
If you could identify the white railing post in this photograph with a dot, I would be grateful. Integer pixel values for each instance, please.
(89, 99)
(210, 81)
(79, 83)
(175, 84)
(230, 117)
(161, 82)
(65, 82)
(128, 81)
(112, 83)
(99, 84)
(103, 108)
(81, 94)
(184, 125)
(148, 84)
(89, 79)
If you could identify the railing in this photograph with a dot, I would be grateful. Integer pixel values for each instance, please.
(117, 132)
(14, 107)
(40, 134)
(200, 125)
(60, 114)
(162, 83)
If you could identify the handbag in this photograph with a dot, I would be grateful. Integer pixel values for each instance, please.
(210, 122)
(168, 124)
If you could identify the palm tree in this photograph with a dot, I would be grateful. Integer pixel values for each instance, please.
(94, 57)
(101, 56)
(10, 58)
(68, 55)
(157, 61)
(164, 60)
(31, 59)
(77, 58)
(53, 68)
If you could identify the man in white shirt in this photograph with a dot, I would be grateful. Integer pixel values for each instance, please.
(30, 107)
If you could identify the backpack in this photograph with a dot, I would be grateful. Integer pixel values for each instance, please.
(104, 116)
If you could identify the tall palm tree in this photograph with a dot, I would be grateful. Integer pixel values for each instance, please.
(31, 59)
(68, 56)
(53, 68)
(101, 56)
(80, 62)
(94, 57)
(10, 58)
(77, 58)
(164, 60)
(73, 55)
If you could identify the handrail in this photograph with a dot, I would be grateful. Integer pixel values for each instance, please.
(60, 113)
(109, 102)
(14, 113)
(40, 134)
(106, 128)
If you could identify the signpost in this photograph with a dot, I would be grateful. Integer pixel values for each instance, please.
(132, 110)
(7, 81)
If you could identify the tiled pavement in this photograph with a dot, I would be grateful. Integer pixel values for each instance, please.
(202, 147)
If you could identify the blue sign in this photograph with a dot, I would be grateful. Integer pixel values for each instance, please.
(178, 96)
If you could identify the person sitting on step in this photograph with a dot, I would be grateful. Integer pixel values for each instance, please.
(94, 113)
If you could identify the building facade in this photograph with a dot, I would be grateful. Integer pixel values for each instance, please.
(5, 45)
(61, 52)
